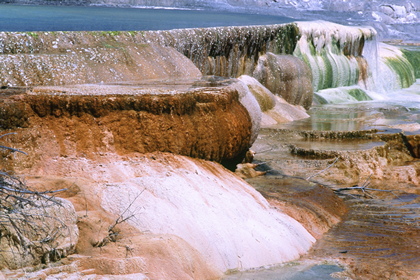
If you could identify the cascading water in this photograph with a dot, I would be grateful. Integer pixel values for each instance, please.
(349, 65)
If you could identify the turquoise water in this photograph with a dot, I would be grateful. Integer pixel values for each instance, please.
(64, 18)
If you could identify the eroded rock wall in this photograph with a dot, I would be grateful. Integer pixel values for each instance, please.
(221, 51)
(286, 76)
(204, 123)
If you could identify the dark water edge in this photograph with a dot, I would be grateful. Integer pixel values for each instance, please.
(21, 18)
(290, 271)
(379, 237)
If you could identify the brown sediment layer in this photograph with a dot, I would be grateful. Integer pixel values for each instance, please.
(315, 206)
(413, 145)
(207, 123)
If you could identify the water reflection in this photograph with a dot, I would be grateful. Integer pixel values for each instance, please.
(377, 115)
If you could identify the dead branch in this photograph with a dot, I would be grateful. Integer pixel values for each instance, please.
(26, 223)
(112, 232)
(364, 188)
(329, 166)
(9, 148)
(121, 218)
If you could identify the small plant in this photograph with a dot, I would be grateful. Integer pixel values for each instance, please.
(132, 33)
(113, 232)
(111, 33)
(33, 34)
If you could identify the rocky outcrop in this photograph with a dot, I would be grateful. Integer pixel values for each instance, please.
(315, 206)
(145, 95)
(41, 232)
(180, 211)
(208, 123)
(274, 108)
(62, 61)
(220, 51)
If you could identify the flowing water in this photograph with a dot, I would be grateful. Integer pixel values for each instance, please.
(379, 237)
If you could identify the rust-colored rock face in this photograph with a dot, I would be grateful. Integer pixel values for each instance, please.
(286, 76)
(207, 123)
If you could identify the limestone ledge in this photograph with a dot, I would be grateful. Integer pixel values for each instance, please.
(207, 123)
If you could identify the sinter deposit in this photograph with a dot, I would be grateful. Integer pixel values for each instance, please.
(128, 122)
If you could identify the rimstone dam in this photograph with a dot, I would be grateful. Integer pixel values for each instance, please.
(140, 129)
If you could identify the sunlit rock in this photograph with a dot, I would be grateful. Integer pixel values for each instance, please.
(218, 214)
(221, 222)
(108, 61)
(228, 51)
(265, 98)
(249, 101)
(108, 247)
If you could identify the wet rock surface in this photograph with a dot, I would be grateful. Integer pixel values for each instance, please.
(374, 173)
(51, 58)
(286, 76)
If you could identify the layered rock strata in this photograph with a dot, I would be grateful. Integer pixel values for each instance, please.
(208, 123)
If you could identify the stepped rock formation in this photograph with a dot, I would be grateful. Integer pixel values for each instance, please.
(286, 76)
(185, 218)
(102, 110)
(100, 97)
(203, 123)
(114, 57)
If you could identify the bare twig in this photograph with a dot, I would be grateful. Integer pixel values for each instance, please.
(112, 232)
(121, 218)
(26, 224)
(28, 191)
(329, 166)
(9, 148)
(13, 149)
(364, 188)
(10, 133)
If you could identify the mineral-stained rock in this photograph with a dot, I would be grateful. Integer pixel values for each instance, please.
(316, 207)
(58, 58)
(208, 123)
(224, 220)
(43, 232)
(286, 76)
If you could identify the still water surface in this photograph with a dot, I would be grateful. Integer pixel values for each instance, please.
(64, 18)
